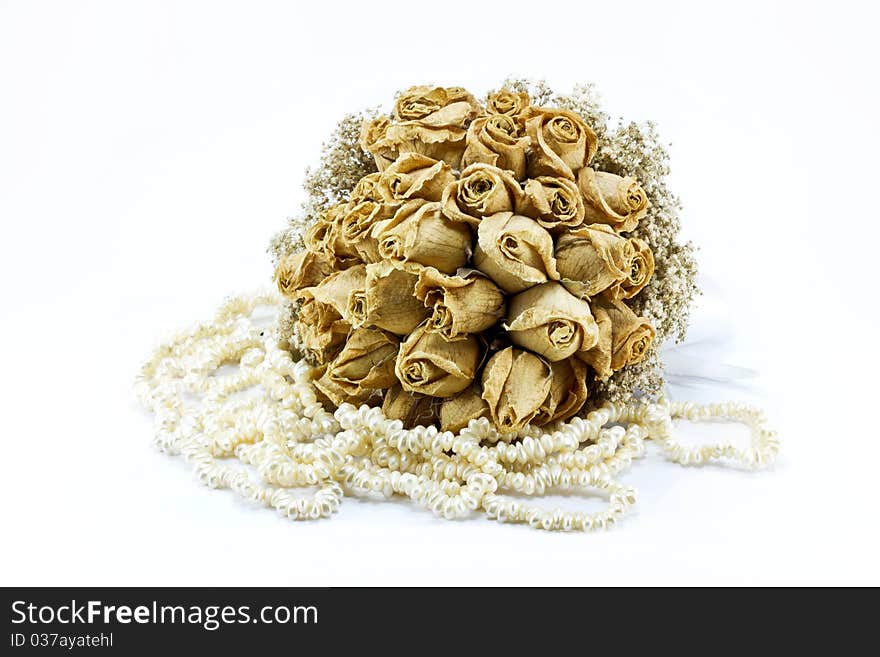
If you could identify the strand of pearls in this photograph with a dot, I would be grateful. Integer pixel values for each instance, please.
(262, 433)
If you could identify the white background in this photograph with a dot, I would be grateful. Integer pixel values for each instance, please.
(148, 151)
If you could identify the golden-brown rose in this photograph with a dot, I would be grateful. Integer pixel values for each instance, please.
(325, 237)
(420, 234)
(319, 328)
(515, 385)
(639, 272)
(459, 305)
(366, 361)
(514, 251)
(414, 176)
(374, 140)
(508, 102)
(550, 321)
(497, 140)
(389, 301)
(337, 289)
(561, 143)
(428, 364)
(425, 103)
(593, 259)
(482, 190)
(610, 199)
(365, 190)
(568, 392)
(555, 203)
(410, 408)
(299, 270)
(457, 412)
(624, 338)
(357, 224)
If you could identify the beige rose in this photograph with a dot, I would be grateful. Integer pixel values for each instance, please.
(365, 362)
(550, 321)
(389, 302)
(325, 237)
(568, 392)
(497, 140)
(555, 203)
(299, 270)
(459, 305)
(337, 289)
(420, 234)
(365, 190)
(639, 273)
(414, 176)
(374, 140)
(508, 102)
(593, 259)
(624, 338)
(561, 143)
(482, 190)
(433, 122)
(332, 395)
(514, 251)
(356, 226)
(428, 364)
(515, 385)
(319, 328)
(410, 408)
(457, 412)
(610, 199)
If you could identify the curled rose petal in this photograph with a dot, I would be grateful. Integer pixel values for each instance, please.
(374, 140)
(457, 412)
(319, 329)
(515, 385)
(561, 143)
(357, 224)
(300, 270)
(482, 190)
(555, 203)
(336, 289)
(568, 392)
(624, 338)
(459, 305)
(550, 321)
(365, 190)
(430, 365)
(514, 251)
(610, 199)
(497, 140)
(389, 302)
(414, 176)
(639, 272)
(593, 259)
(420, 234)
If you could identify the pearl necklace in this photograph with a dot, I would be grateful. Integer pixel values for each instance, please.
(267, 416)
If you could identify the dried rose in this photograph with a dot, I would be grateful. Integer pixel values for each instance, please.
(592, 259)
(505, 101)
(420, 234)
(624, 338)
(430, 365)
(414, 176)
(555, 203)
(610, 199)
(561, 143)
(514, 251)
(320, 329)
(425, 103)
(389, 302)
(550, 321)
(365, 190)
(515, 385)
(366, 361)
(457, 412)
(410, 408)
(325, 237)
(640, 270)
(337, 289)
(300, 270)
(356, 226)
(482, 190)
(467, 303)
(568, 392)
(497, 140)
(374, 140)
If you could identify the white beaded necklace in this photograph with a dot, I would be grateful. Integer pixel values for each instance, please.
(291, 441)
